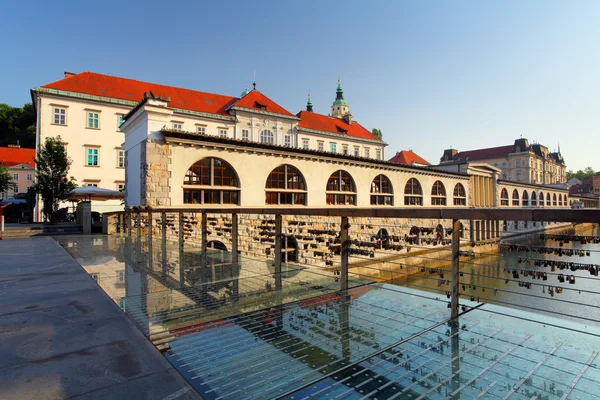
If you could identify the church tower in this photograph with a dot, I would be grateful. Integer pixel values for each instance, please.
(339, 108)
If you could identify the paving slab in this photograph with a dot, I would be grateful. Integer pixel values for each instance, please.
(62, 337)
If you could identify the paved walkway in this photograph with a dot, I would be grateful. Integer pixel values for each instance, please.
(61, 337)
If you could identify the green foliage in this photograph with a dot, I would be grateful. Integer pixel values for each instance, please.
(377, 132)
(5, 179)
(17, 125)
(588, 172)
(52, 182)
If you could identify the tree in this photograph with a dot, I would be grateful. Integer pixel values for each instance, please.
(377, 132)
(52, 182)
(17, 125)
(588, 172)
(5, 179)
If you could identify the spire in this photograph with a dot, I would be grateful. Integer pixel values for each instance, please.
(309, 104)
(339, 92)
(254, 83)
(245, 92)
(339, 108)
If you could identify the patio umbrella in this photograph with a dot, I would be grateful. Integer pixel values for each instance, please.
(95, 193)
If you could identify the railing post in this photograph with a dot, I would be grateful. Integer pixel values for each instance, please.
(121, 223)
(455, 267)
(472, 230)
(139, 225)
(234, 238)
(204, 232)
(150, 223)
(497, 229)
(180, 230)
(278, 228)
(344, 253)
(128, 222)
(163, 242)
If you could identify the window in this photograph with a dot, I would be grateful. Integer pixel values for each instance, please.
(91, 184)
(367, 150)
(438, 194)
(518, 163)
(413, 194)
(504, 197)
(285, 185)
(119, 120)
(266, 136)
(93, 120)
(15, 189)
(518, 175)
(515, 198)
(60, 116)
(287, 141)
(525, 198)
(223, 133)
(201, 130)
(345, 149)
(305, 144)
(211, 181)
(381, 191)
(340, 189)
(121, 276)
(503, 165)
(542, 199)
(177, 126)
(15, 177)
(533, 199)
(333, 147)
(321, 145)
(378, 154)
(245, 134)
(356, 151)
(92, 157)
(460, 196)
(29, 177)
(121, 187)
(120, 158)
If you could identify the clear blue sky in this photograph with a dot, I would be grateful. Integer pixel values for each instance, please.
(430, 74)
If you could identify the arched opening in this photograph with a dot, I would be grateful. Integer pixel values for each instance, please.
(211, 181)
(533, 199)
(460, 195)
(382, 193)
(438, 194)
(285, 185)
(549, 200)
(413, 194)
(439, 231)
(289, 249)
(541, 199)
(267, 137)
(340, 189)
(504, 197)
(525, 198)
(560, 200)
(554, 202)
(515, 198)
(382, 238)
(215, 244)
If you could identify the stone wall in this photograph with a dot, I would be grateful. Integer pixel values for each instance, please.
(155, 176)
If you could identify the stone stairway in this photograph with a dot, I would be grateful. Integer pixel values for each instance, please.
(28, 230)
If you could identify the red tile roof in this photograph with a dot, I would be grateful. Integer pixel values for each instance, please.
(10, 156)
(484, 154)
(257, 101)
(408, 157)
(132, 90)
(325, 123)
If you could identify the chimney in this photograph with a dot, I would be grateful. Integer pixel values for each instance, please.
(68, 74)
(348, 118)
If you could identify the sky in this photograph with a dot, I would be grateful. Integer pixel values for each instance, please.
(431, 75)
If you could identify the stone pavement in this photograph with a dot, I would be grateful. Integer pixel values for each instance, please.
(62, 337)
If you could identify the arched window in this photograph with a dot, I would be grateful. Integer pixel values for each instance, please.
(266, 136)
(413, 194)
(211, 181)
(525, 198)
(504, 197)
(553, 200)
(542, 199)
(285, 185)
(515, 198)
(460, 196)
(341, 189)
(533, 199)
(382, 193)
(560, 200)
(438, 194)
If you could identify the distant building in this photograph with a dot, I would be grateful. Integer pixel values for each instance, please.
(520, 162)
(20, 164)
(408, 157)
(573, 181)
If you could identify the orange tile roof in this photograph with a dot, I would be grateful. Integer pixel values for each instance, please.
(408, 157)
(132, 90)
(255, 100)
(325, 123)
(10, 156)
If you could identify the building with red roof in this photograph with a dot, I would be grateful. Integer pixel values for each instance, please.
(408, 157)
(20, 164)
